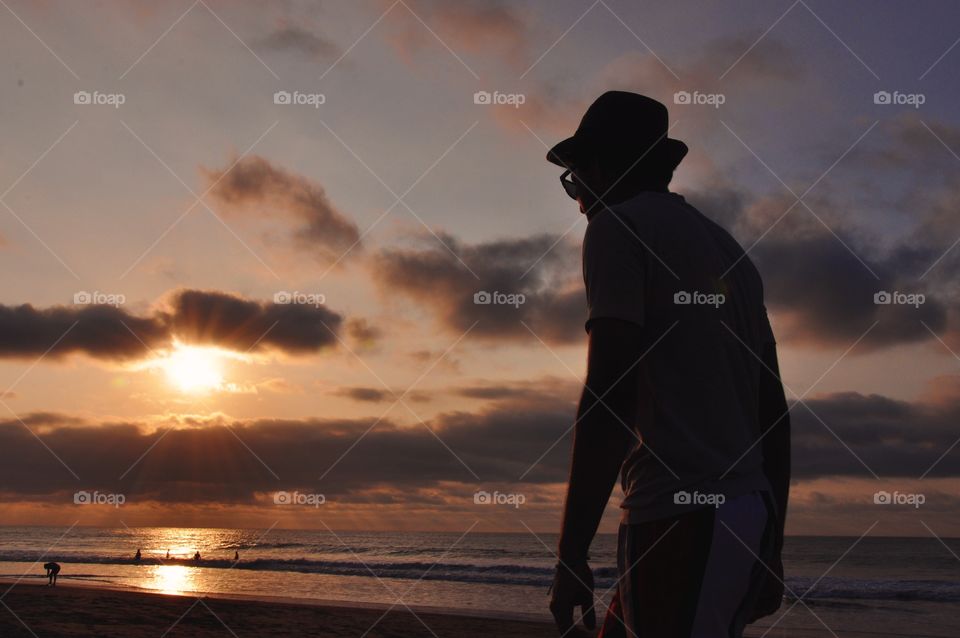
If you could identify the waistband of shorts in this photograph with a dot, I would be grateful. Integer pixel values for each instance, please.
(706, 494)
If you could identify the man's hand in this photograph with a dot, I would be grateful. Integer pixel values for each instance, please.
(573, 587)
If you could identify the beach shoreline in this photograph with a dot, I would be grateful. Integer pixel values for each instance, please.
(35, 610)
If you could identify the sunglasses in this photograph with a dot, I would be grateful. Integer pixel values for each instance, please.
(568, 183)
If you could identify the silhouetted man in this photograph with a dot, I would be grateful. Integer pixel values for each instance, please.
(682, 396)
(52, 570)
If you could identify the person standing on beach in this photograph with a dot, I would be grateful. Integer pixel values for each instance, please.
(682, 397)
(52, 570)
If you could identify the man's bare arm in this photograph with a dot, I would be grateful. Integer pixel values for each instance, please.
(601, 438)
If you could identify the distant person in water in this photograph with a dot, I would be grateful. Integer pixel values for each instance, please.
(137, 556)
(197, 555)
(236, 556)
(168, 554)
(682, 397)
(52, 570)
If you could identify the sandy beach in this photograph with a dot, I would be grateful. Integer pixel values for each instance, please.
(33, 610)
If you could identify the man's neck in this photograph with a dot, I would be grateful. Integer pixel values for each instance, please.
(614, 198)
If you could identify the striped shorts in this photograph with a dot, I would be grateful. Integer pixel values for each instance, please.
(693, 575)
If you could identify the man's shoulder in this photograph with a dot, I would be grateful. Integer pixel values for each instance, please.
(651, 209)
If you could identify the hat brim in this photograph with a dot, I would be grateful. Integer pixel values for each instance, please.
(563, 153)
(566, 152)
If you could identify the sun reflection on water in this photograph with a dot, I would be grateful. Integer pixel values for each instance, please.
(174, 579)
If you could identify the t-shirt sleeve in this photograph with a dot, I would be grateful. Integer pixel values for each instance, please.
(614, 267)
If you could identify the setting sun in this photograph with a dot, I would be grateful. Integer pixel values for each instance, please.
(193, 369)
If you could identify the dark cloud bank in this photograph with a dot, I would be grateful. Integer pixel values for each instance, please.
(192, 316)
(203, 461)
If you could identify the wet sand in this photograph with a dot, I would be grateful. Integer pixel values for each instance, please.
(33, 610)
(38, 611)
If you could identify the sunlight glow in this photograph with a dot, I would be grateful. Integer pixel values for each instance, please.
(194, 369)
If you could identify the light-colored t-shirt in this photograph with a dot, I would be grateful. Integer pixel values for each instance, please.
(659, 263)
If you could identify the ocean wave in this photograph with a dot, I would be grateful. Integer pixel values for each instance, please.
(505, 574)
(829, 588)
(834, 588)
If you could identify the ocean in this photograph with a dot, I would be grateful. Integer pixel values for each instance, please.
(878, 586)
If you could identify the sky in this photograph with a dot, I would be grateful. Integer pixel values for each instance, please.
(241, 244)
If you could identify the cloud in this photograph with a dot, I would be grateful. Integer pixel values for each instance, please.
(487, 28)
(379, 395)
(443, 359)
(297, 39)
(220, 460)
(363, 333)
(242, 324)
(256, 189)
(892, 438)
(198, 317)
(538, 271)
(371, 395)
(521, 392)
(822, 266)
(204, 462)
(103, 332)
(825, 296)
